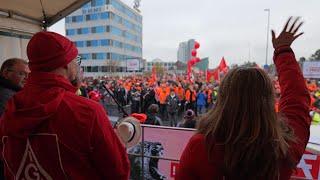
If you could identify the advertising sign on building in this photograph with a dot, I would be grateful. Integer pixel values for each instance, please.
(311, 69)
(133, 65)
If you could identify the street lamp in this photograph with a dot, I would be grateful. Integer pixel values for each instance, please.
(268, 27)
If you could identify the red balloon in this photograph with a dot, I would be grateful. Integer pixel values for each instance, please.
(196, 45)
(194, 52)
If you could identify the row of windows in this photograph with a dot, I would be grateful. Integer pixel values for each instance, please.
(125, 10)
(104, 15)
(88, 17)
(108, 42)
(162, 64)
(116, 4)
(103, 69)
(102, 29)
(104, 56)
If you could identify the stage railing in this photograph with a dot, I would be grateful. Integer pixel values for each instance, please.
(158, 153)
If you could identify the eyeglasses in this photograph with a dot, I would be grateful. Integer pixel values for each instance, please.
(19, 73)
(78, 59)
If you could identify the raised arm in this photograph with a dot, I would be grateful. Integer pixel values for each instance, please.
(295, 99)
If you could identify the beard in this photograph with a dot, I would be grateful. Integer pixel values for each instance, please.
(76, 81)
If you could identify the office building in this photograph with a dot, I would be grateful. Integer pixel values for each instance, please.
(184, 50)
(107, 33)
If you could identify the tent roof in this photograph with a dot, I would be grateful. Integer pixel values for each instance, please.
(42, 13)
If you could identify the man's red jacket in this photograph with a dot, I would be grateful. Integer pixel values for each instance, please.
(294, 104)
(48, 132)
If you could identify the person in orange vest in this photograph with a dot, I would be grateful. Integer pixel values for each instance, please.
(208, 91)
(163, 93)
(190, 98)
(312, 86)
(180, 92)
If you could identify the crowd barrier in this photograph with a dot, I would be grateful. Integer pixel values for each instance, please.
(158, 152)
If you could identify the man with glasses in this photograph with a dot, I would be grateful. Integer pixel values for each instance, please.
(48, 132)
(13, 75)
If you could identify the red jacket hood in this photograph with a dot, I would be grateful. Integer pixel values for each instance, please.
(36, 103)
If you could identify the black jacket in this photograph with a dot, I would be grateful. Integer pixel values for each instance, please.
(7, 90)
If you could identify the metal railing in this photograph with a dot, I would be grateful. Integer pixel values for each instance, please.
(142, 144)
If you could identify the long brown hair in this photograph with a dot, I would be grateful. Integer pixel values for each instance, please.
(244, 122)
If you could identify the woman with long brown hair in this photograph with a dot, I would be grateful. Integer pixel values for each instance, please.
(243, 137)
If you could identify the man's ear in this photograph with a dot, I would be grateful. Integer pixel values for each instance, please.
(5, 73)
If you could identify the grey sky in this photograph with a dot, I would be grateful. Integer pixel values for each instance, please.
(229, 28)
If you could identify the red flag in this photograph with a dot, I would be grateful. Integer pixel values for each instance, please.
(213, 74)
(216, 74)
(223, 66)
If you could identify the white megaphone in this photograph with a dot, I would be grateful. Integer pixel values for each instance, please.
(129, 131)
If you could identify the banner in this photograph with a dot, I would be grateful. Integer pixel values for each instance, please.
(163, 147)
(309, 167)
(311, 69)
(133, 65)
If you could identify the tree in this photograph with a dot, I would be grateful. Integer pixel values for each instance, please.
(249, 64)
(159, 69)
(315, 56)
(302, 59)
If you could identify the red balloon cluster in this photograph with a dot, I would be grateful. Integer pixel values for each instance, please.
(194, 52)
(194, 59)
(196, 45)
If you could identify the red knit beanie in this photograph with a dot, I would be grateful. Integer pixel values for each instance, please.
(48, 51)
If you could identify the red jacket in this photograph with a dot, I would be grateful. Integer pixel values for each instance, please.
(49, 132)
(294, 104)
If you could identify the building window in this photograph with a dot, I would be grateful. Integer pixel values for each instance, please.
(85, 56)
(104, 15)
(88, 43)
(70, 32)
(117, 44)
(79, 43)
(107, 28)
(74, 19)
(104, 42)
(88, 17)
(104, 69)
(100, 29)
(67, 19)
(93, 29)
(94, 55)
(115, 31)
(101, 56)
(79, 31)
(77, 18)
(87, 5)
(95, 68)
(118, 19)
(94, 16)
(98, 3)
(108, 55)
(85, 30)
(94, 43)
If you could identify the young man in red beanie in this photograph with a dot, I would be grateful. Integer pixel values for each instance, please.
(48, 132)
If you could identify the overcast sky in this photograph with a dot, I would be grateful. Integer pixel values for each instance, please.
(235, 29)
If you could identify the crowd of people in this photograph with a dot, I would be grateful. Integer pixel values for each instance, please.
(169, 98)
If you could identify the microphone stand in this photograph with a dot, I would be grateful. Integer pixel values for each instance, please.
(125, 114)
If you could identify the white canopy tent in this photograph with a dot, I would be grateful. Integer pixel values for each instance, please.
(19, 19)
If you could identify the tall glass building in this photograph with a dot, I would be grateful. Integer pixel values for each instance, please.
(107, 33)
(184, 50)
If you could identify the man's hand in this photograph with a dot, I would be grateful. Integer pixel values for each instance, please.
(288, 34)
